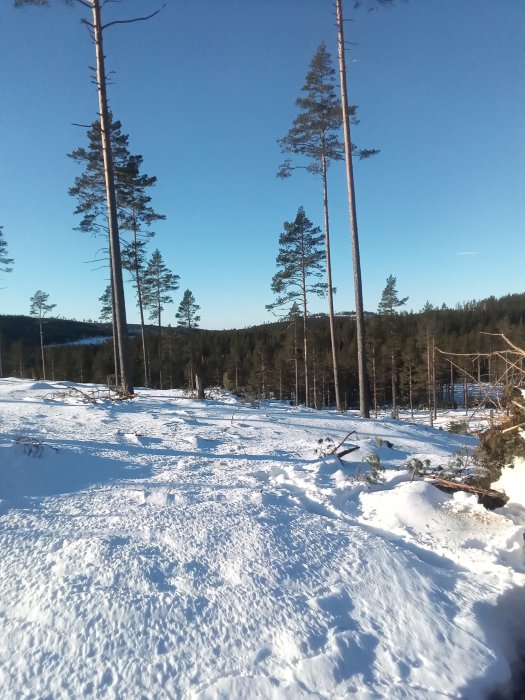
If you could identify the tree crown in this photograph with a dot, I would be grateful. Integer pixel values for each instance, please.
(5, 261)
(187, 312)
(158, 283)
(300, 262)
(39, 306)
(390, 300)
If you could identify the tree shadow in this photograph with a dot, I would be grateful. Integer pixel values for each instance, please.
(504, 622)
(27, 472)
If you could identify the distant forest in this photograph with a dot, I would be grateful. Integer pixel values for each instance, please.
(266, 361)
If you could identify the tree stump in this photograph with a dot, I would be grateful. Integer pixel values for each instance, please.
(199, 387)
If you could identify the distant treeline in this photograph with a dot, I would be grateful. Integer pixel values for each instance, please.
(266, 360)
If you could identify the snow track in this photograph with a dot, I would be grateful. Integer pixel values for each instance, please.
(173, 549)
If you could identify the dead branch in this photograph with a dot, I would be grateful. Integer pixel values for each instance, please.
(32, 447)
(514, 427)
(516, 348)
(136, 19)
(347, 451)
(93, 396)
(343, 441)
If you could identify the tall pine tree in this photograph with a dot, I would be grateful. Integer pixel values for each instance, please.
(158, 284)
(300, 264)
(188, 318)
(39, 309)
(315, 135)
(390, 300)
(187, 312)
(135, 213)
(96, 31)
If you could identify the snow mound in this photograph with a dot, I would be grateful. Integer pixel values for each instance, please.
(512, 482)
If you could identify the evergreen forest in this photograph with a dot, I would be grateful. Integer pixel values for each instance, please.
(263, 362)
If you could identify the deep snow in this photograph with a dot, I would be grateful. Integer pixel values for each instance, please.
(169, 548)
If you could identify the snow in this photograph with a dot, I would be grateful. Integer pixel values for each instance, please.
(170, 548)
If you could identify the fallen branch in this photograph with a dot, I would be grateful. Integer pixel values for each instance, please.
(93, 396)
(343, 441)
(347, 451)
(32, 447)
(487, 497)
(514, 427)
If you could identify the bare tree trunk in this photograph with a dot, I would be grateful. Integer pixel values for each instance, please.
(330, 287)
(394, 387)
(114, 328)
(160, 348)
(364, 393)
(429, 380)
(199, 387)
(410, 391)
(375, 380)
(114, 241)
(314, 369)
(192, 380)
(296, 362)
(452, 393)
(305, 314)
(434, 393)
(138, 284)
(42, 350)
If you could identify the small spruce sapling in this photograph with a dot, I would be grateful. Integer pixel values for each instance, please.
(376, 470)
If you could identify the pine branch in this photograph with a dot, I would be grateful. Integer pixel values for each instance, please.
(136, 19)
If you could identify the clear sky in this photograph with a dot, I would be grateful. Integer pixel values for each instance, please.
(207, 87)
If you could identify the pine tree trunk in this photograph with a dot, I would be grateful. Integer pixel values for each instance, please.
(114, 328)
(364, 393)
(141, 306)
(314, 369)
(114, 241)
(192, 380)
(296, 362)
(160, 344)
(394, 387)
(375, 381)
(305, 337)
(434, 386)
(410, 391)
(42, 350)
(429, 380)
(330, 288)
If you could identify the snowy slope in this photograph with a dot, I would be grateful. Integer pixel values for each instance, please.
(169, 548)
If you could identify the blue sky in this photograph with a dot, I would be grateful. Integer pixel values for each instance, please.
(207, 87)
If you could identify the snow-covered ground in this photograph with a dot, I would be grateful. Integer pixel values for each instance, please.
(169, 548)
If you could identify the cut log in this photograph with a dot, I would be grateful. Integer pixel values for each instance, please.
(487, 497)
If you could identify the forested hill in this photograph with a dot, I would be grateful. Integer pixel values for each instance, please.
(25, 330)
(263, 360)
